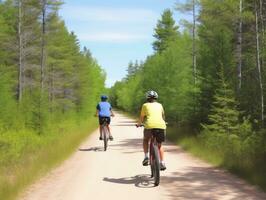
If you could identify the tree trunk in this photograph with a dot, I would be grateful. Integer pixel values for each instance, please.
(51, 88)
(194, 43)
(43, 44)
(20, 47)
(258, 63)
(239, 46)
(262, 33)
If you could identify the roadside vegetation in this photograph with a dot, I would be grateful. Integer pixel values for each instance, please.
(48, 92)
(34, 155)
(209, 74)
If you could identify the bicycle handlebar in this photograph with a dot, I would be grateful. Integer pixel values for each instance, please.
(139, 125)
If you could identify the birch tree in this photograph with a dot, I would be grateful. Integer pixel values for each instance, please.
(239, 45)
(20, 50)
(258, 60)
(43, 43)
(27, 48)
(191, 6)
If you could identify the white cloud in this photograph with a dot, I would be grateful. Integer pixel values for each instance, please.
(112, 25)
(109, 14)
(113, 37)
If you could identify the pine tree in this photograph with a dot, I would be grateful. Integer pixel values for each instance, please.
(216, 49)
(132, 69)
(47, 8)
(165, 31)
(4, 36)
(224, 114)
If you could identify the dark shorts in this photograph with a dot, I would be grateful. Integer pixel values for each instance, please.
(102, 119)
(158, 133)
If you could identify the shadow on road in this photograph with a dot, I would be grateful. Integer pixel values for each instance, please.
(201, 183)
(135, 145)
(92, 149)
(141, 181)
(128, 146)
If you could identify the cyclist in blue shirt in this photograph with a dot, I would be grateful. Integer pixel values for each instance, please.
(104, 110)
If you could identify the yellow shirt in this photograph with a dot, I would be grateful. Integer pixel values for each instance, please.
(153, 113)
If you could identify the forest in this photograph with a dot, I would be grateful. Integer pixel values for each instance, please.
(48, 90)
(209, 72)
(208, 69)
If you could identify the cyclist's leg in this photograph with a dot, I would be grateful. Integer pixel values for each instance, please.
(146, 138)
(100, 127)
(162, 162)
(160, 137)
(161, 151)
(108, 126)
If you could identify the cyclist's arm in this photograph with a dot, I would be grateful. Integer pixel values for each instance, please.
(97, 113)
(141, 119)
(112, 114)
(97, 110)
(163, 115)
(111, 111)
(142, 116)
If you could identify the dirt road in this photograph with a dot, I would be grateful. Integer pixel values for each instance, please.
(117, 174)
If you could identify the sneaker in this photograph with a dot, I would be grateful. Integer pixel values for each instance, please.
(111, 137)
(100, 138)
(145, 162)
(162, 167)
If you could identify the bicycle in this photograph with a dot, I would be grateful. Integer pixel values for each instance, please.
(154, 157)
(105, 133)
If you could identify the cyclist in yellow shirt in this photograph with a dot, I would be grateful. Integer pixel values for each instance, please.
(152, 116)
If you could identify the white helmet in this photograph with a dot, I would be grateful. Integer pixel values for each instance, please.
(151, 94)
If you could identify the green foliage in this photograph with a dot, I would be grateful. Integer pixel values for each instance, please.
(170, 74)
(168, 71)
(128, 95)
(7, 102)
(47, 111)
(29, 155)
(73, 80)
(7, 37)
(216, 48)
(224, 117)
(165, 31)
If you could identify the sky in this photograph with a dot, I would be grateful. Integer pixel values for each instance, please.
(115, 31)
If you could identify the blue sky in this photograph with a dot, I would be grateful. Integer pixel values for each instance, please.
(115, 31)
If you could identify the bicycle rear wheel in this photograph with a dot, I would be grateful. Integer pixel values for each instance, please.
(105, 137)
(155, 165)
